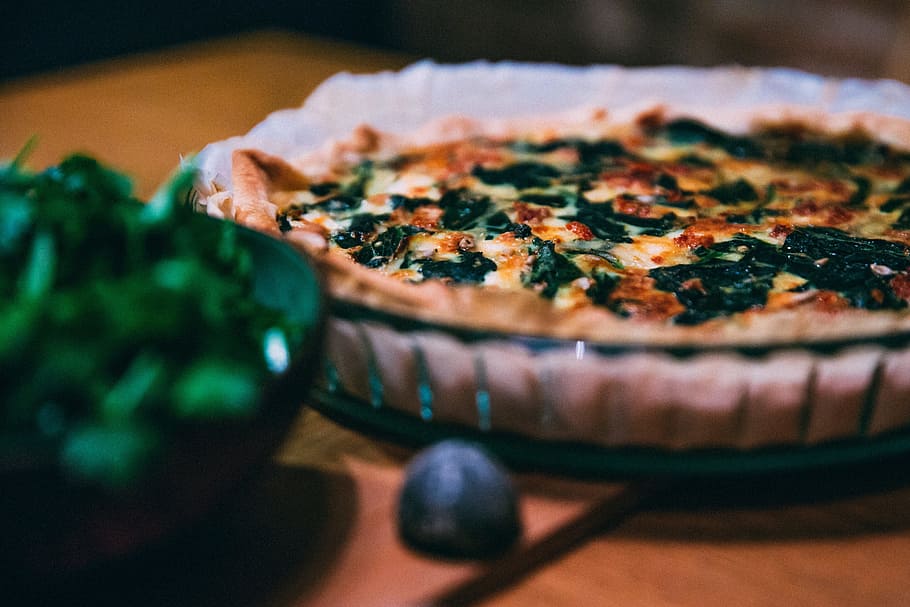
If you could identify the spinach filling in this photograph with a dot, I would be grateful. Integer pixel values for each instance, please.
(602, 287)
(361, 226)
(716, 287)
(613, 227)
(356, 187)
(462, 209)
(729, 277)
(848, 151)
(550, 269)
(338, 203)
(689, 132)
(903, 222)
(899, 202)
(831, 259)
(653, 226)
(557, 201)
(753, 217)
(499, 223)
(588, 150)
(380, 250)
(733, 192)
(522, 175)
(601, 219)
(324, 188)
(791, 146)
(826, 257)
(894, 203)
(859, 195)
(593, 155)
(470, 267)
(411, 204)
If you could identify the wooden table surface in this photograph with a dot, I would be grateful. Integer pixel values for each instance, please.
(829, 537)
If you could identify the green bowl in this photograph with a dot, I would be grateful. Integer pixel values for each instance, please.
(54, 528)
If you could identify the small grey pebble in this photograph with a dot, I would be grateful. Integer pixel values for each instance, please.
(458, 502)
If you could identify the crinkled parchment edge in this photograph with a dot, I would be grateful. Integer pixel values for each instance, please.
(399, 102)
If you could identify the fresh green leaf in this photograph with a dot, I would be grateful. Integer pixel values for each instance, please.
(108, 455)
(212, 388)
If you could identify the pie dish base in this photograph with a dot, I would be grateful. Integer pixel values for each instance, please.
(585, 392)
(586, 460)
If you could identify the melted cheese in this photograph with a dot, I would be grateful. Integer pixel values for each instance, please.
(527, 216)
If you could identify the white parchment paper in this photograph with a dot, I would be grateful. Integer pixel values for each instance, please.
(402, 101)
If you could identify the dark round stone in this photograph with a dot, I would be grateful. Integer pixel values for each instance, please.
(458, 502)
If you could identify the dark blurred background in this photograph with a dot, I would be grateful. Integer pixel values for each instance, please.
(869, 38)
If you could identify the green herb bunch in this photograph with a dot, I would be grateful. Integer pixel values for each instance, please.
(120, 320)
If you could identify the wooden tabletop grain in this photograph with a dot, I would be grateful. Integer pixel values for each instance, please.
(829, 537)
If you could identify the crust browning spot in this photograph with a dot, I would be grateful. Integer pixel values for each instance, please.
(365, 139)
(257, 176)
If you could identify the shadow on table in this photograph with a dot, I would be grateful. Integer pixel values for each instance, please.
(277, 540)
(851, 500)
(277, 537)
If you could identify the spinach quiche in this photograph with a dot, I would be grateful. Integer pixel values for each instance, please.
(699, 278)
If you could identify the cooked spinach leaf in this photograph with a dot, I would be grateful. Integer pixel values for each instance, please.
(667, 182)
(411, 204)
(550, 269)
(716, 287)
(654, 226)
(384, 246)
(339, 203)
(859, 195)
(693, 160)
(812, 149)
(522, 175)
(499, 223)
(325, 188)
(894, 203)
(748, 247)
(361, 226)
(588, 150)
(903, 222)
(356, 187)
(753, 217)
(830, 243)
(809, 152)
(557, 201)
(689, 132)
(462, 209)
(470, 267)
(733, 192)
(601, 219)
(829, 259)
(602, 286)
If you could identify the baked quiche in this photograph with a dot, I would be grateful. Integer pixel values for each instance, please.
(662, 277)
